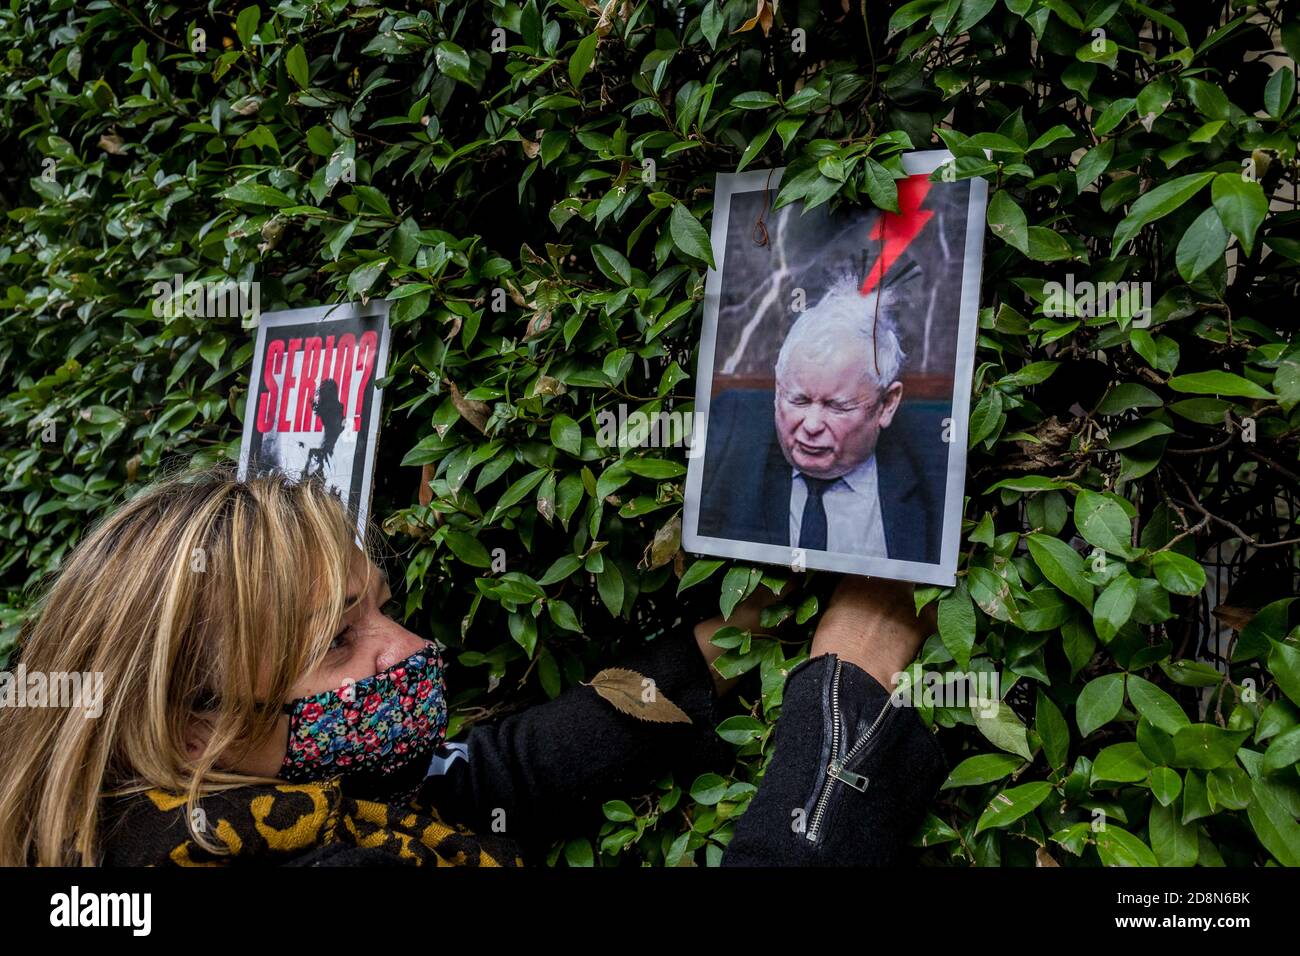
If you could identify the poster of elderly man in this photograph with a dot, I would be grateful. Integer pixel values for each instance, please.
(835, 374)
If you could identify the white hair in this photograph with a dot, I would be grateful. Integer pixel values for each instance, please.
(842, 317)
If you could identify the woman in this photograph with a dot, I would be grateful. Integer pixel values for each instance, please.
(260, 707)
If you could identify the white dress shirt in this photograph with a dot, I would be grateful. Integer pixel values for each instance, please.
(853, 521)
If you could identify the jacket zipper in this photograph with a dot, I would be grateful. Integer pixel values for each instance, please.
(835, 770)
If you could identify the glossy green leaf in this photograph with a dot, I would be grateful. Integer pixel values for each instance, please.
(1012, 804)
(1156, 204)
(688, 235)
(1099, 702)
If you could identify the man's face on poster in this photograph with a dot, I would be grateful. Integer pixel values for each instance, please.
(829, 414)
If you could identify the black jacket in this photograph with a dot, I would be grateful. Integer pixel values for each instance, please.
(850, 778)
(543, 773)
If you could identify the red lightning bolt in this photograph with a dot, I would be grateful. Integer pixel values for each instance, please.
(898, 230)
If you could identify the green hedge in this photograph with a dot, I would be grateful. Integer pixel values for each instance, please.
(488, 166)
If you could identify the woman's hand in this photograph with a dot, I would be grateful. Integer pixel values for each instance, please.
(745, 616)
(872, 622)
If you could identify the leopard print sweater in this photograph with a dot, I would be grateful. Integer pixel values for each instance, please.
(291, 824)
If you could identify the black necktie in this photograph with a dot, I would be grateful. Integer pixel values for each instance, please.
(812, 530)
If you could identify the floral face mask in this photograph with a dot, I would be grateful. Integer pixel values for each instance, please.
(381, 730)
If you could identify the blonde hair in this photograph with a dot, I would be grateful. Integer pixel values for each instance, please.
(201, 585)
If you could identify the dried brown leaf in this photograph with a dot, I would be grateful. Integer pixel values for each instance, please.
(763, 17)
(1048, 452)
(539, 323)
(1234, 617)
(516, 296)
(606, 21)
(426, 490)
(1263, 160)
(667, 541)
(246, 105)
(474, 412)
(636, 695)
(548, 385)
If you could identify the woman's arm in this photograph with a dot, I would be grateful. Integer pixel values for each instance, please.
(539, 774)
(851, 774)
(872, 623)
(745, 616)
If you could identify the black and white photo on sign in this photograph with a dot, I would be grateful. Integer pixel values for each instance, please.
(834, 378)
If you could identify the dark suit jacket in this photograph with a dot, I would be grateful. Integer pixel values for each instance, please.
(746, 488)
